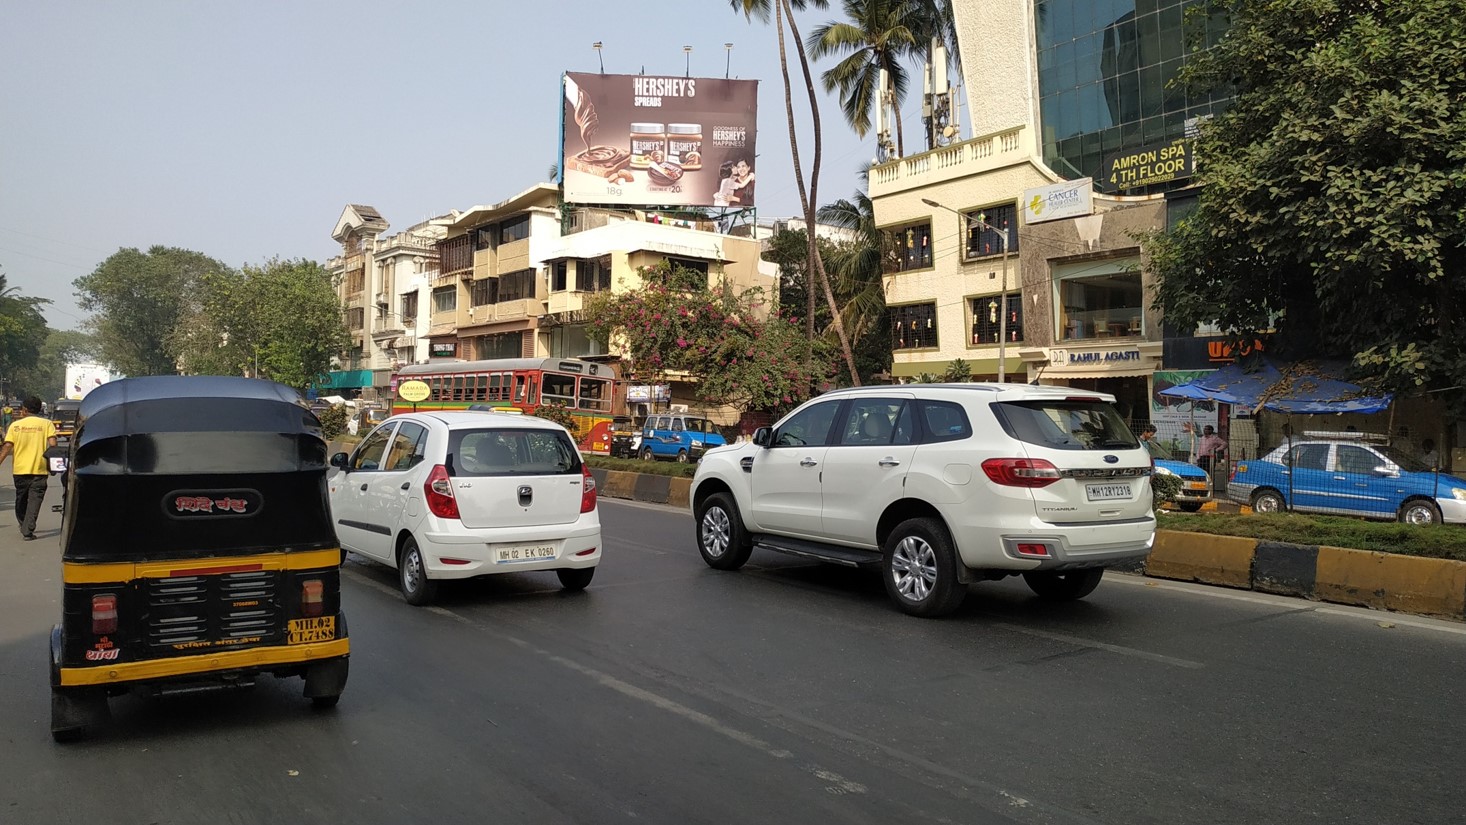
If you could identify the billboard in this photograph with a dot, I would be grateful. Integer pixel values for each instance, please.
(659, 141)
(83, 378)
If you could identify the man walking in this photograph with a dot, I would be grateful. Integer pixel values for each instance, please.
(26, 440)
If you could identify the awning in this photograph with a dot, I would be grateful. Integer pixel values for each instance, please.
(346, 380)
(1296, 388)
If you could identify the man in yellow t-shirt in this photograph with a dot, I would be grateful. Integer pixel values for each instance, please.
(26, 440)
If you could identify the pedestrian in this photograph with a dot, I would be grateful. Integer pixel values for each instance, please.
(1212, 448)
(1429, 454)
(26, 441)
(1147, 432)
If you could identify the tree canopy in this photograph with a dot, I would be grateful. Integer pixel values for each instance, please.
(46, 379)
(22, 332)
(1334, 187)
(740, 351)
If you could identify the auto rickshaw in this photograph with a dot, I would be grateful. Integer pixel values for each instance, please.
(625, 437)
(197, 547)
(63, 415)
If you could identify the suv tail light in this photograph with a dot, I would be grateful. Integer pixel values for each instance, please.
(311, 601)
(438, 490)
(587, 490)
(104, 614)
(1021, 472)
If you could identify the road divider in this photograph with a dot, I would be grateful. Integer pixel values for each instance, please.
(1388, 581)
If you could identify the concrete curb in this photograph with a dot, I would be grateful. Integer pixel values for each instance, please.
(1409, 584)
(1388, 581)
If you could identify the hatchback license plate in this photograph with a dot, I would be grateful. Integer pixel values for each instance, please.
(305, 631)
(534, 552)
(1107, 492)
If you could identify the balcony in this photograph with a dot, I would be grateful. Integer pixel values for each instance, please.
(960, 160)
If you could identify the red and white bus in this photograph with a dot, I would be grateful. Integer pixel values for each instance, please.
(586, 389)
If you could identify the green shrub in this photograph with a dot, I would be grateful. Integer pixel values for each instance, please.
(333, 422)
(557, 413)
(1441, 541)
(636, 465)
(1164, 487)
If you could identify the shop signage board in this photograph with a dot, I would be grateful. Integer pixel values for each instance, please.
(1155, 164)
(1069, 199)
(440, 349)
(645, 393)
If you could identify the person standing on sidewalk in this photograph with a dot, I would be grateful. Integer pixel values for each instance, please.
(26, 441)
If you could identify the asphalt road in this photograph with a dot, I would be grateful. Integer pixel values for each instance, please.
(787, 692)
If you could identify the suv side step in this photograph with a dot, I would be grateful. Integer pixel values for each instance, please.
(832, 553)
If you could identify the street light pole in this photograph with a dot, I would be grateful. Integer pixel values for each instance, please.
(1002, 234)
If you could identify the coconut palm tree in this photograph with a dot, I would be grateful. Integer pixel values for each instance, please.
(857, 264)
(784, 10)
(878, 36)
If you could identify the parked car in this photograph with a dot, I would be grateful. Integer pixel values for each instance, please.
(1195, 482)
(679, 437)
(1348, 474)
(938, 486)
(453, 495)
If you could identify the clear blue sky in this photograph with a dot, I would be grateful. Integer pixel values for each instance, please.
(242, 130)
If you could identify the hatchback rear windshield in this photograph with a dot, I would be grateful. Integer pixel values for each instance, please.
(504, 451)
(1066, 425)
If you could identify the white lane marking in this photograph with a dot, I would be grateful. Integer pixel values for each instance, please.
(1105, 646)
(1293, 604)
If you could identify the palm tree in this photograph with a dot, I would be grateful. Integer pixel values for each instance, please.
(877, 37)
(858, 264)
(783, 9)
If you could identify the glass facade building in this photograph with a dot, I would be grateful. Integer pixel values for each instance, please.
(1107, 77)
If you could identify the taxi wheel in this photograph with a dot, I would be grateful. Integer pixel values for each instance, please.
(1420, 511)
(412, 575)
(646, 454)
(681, 456)
(1189, 506)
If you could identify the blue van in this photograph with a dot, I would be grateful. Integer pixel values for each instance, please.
(677, 436)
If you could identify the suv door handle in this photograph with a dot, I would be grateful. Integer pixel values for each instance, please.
(888, 461)
(363, 488)
(808, 462)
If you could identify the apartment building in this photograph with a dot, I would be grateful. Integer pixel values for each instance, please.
(1022, 241)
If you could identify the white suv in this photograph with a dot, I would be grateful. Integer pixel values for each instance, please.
(939, 484)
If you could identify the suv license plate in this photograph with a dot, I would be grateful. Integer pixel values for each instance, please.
(1107, 492)
(533, 552)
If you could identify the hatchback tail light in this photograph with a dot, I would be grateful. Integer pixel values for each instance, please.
(104, 614)
(587, 490)
(312, 602)
(438, 490)
(1021, 472)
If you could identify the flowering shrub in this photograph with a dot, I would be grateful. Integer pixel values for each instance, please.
(740, 351)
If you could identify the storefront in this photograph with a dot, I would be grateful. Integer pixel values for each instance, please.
(1123, 370)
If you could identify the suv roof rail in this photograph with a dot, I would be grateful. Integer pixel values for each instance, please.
(1347, 435)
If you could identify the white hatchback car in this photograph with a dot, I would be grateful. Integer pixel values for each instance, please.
(939, 486)
(453, 495)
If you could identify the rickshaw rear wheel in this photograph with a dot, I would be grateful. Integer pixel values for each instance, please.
(325, 702)
(412, 575)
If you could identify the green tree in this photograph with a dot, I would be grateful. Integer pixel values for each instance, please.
(857, 265)
(1334, 187)
(808, 195)
(280, 321)
(878, 36)
(47, 379)
(738, 349)
(138, 299)
(22, 332)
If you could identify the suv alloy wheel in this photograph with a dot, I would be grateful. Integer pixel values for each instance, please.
(919, 568)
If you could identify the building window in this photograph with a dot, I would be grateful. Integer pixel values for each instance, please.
(355, 318)
(483, 237)
(514, 229)
(355, 281)
(559, 274)
(1109, 305)
(981, 241)
(445, 299)
(516, 286)
(911, 247)
(409, 309)
(987, 323)
(593, 275)
(914, 326)
(455, 254)
(572, 341)
(483, 292)
(503, 345)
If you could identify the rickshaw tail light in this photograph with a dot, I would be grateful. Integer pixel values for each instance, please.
(104, 614)
(587, 490)
(311, 601)
(438, 490)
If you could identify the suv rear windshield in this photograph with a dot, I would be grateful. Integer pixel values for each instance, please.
(511, 452)
(1066, 425)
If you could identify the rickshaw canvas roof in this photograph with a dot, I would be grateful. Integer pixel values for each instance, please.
(173, 403)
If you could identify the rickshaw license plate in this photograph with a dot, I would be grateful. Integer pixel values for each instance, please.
(318, 629)
(530, 553)
(1107, 492)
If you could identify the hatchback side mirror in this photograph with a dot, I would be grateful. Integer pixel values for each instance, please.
(761, 436)
(339, 460)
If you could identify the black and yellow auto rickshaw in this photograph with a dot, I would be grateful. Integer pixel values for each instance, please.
(197, 547)
(623, 437)
(63, 416)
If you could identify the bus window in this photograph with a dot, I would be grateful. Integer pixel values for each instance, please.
(481, 388)
(436, 383)
(520, 382)
(559, 388)
(593, 394)
(534, 389)
(495, 388)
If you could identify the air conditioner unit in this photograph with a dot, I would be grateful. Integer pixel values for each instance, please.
(679, 408)
(381, 299)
